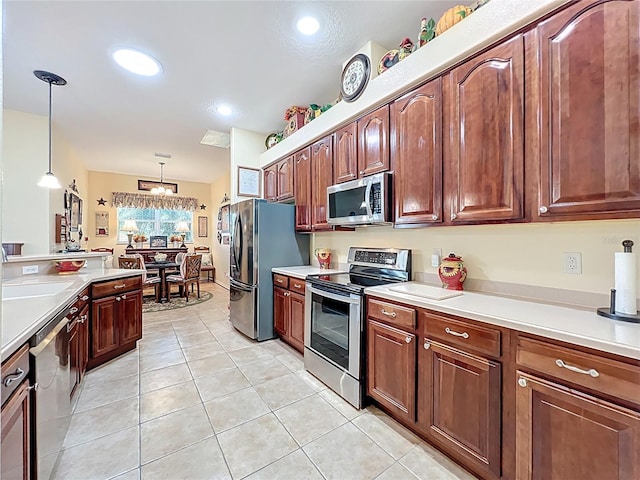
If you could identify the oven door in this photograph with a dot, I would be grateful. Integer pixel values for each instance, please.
(333, 327)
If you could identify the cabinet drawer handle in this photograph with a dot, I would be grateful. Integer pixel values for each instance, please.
(33, 387)
(434, 217)
(118, 287)
(280, 280)
(351, 175)
(543, 209)
(522, 382)
(427, 345)
(73, 310)
(408, 339)
(389, 314)
(297, 285)
(287, 294)
(453, 216)
(456, 334)
(117, 299)
(361, 172)
(84, 298)
(124, 297)
(591, 372)
(13, 377)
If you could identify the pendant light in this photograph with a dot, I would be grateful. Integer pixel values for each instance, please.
(161, 190)
(49, 180)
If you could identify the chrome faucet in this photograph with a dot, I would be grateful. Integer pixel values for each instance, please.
(4, 256)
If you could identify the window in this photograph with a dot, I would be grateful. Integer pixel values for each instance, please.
(152, 221)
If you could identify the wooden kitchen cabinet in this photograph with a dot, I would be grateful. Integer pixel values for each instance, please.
(79, 340)
(285, 178)
(271, 183)
(322, 167)
(288, 310)
(303, 189)
(459, 397)
(583, 66)
(416, 155)
(116, 318)
(345, 165)
(484, 137)
(563, 433)
(373, 142)
(391, 368)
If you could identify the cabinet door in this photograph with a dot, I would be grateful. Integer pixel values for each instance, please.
(373, 142)
(391, 368)
(83, 331)
(416, 154)
(345, 165)
(270, 183)
(285, 179)
(296, 321)
(130, 317)
(588, 59)
(303, 190)
(74, 355)
(322, 162)
(104, 326)
(281, 311)
(15, 448)
(460, 403)
(562, 433)
(484, 150)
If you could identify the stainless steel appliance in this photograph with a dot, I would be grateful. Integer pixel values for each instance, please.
(262, 237)
(50, 360)
(334, 317)
(365, 201)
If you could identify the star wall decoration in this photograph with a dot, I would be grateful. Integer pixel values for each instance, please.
(102, 201)
(203, 207)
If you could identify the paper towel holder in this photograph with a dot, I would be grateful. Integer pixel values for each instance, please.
(610, 312)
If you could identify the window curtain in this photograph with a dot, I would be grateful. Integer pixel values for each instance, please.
(142, 200)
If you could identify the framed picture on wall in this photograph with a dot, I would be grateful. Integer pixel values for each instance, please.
(75, 212)
(202, 226)
(158, 241)
(249, 182)
(102, 224)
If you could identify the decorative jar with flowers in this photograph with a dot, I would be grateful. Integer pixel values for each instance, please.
(139, 239)
(176, 239)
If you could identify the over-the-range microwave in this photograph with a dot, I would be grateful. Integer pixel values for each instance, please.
(365, 201)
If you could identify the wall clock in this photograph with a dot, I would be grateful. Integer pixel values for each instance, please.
(355, 77)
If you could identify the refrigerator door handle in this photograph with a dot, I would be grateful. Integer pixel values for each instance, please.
(240, 286)
(237, 242)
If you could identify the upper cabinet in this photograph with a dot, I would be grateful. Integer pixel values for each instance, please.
(285, 178)
(271, 183)
(373, 142)
(322, 168)
(584, 66)
(416, 155)
(345, 165)
(303, 189)
(484, 144)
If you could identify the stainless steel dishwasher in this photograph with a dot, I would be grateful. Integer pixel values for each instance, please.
(50, 361)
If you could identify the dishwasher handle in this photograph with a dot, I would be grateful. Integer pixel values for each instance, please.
(51, 336)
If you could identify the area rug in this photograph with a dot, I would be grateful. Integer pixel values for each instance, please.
(149, 304)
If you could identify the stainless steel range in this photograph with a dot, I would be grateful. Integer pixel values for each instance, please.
(334, 317)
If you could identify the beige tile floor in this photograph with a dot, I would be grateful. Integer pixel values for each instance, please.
(198, 400)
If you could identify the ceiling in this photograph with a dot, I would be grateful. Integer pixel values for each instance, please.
(244, 53)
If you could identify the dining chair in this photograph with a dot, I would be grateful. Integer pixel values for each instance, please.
(189, 274)
(136, 261)
(207, 263)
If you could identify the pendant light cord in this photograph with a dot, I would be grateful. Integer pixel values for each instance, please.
(50, 87)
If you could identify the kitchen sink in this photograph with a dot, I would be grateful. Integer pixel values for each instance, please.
(28, 290)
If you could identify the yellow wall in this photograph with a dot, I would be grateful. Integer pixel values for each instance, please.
(219, 188)
(102, 184)
(529, 254)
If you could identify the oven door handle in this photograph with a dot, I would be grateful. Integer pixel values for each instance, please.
(347, 298)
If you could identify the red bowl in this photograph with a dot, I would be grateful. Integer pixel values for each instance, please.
(68, 266)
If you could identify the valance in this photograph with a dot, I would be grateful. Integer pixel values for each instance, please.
(142, 200)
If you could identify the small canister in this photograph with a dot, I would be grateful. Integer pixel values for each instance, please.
(452, 272)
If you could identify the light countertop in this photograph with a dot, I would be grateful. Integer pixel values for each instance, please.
(305, 270)
(581, 327)
(54, 256)
(24, 316)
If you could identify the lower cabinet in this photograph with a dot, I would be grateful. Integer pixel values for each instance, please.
(288, 310)
(78, 347)
(116, 319)
(563, 433)
(459, 403)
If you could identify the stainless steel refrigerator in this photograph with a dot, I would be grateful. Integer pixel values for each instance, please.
(263, 236)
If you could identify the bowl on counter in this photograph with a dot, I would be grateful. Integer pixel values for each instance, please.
(160, 257)
(69, 266)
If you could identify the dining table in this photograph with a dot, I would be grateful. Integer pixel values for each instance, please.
(162, 270)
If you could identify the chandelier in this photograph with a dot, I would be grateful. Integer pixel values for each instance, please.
(161, 190)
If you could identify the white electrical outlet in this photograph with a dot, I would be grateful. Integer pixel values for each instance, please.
(29, 269)
(436, 253)
(572, 262)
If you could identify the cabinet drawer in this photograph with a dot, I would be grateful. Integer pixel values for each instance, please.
(14, 370)
(281, 280)
(83, 299)
(463, 334)
(392, 314)
(599, 374)
(296, 285)
(114, 287)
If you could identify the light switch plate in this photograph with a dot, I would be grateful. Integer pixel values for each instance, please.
(29, 269)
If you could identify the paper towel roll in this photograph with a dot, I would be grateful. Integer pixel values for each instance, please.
(625, 264)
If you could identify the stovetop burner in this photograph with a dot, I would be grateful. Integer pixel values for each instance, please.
(368, 267)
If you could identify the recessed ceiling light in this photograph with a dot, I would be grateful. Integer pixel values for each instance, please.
(308, 25)
(136, 62)
(224, 110)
